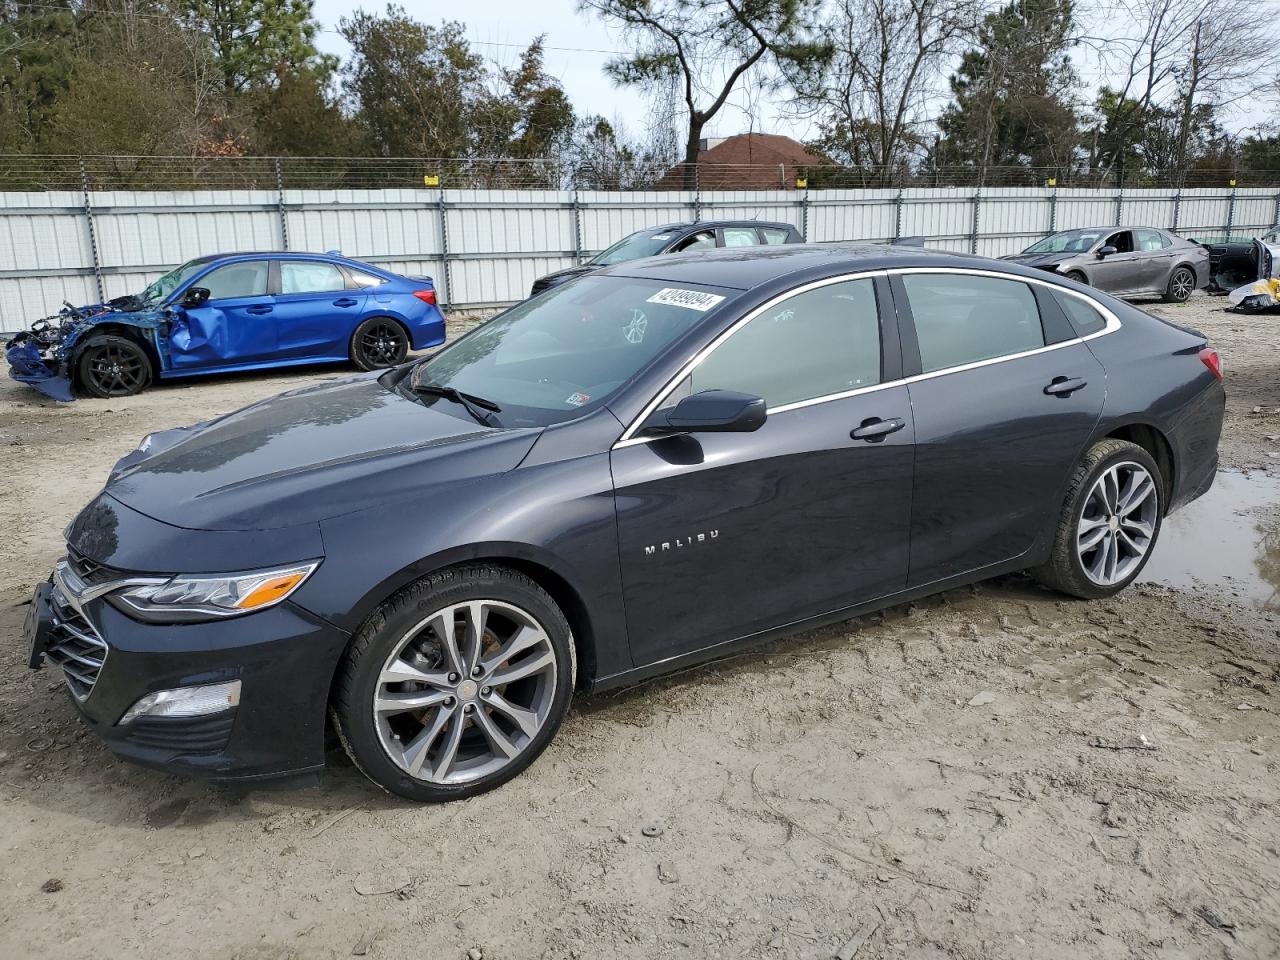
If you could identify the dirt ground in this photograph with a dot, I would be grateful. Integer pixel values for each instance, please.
(996, 772)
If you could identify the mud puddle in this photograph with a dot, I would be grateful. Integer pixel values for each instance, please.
(1229, 539)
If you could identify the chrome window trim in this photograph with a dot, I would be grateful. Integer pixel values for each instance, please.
(629, 439)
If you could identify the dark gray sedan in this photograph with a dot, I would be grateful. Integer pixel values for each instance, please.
(1125, 261)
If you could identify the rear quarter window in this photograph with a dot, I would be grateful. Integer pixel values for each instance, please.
(1085, 320)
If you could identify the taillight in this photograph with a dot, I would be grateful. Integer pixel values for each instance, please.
(426, 296)
(1209, 357)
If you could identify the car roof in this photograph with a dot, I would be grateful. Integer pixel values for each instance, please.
(704, 224)
(742, 268)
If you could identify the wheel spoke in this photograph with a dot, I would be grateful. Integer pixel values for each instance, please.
(449, 750)
(526, 720)
(1094, 537)
(527, 667)
(415, 752)
(1141, 486)
(444, 627)
(476, 615)
(401, 671)
(1131, 526)
(525, 638)
(390, 702)
(497, 739)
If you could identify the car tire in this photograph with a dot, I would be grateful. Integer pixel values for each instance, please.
(109, 367)
(1182, 283)
(379, 342)
(423, 731)
(1078, 277)
(1101, 490)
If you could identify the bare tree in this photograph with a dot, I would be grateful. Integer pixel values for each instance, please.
(882, 85)
(707, 46)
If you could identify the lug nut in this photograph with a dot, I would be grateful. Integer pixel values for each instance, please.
(467, 708)
(453, 678)
(477, 671)
(448, 701)
(485, 691)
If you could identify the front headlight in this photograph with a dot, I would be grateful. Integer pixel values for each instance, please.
(186, 599)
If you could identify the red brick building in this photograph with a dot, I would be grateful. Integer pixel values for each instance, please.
(749, 161)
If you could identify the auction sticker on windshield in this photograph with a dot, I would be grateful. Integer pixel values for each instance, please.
(690, 299)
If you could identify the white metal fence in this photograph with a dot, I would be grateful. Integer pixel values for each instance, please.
(485, 247)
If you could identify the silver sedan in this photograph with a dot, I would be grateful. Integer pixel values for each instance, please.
(1125, 261)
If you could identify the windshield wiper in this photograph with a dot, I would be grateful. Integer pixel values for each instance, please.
(481, 410)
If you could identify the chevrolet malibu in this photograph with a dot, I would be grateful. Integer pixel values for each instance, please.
(647, 467)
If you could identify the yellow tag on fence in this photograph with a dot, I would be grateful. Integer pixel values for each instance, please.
(431, 179)
(802, 183)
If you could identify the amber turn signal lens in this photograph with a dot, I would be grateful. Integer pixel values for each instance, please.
(269, 591)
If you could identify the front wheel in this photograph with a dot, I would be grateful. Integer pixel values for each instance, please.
(456, 684)
(1109, 522)
(1181, 284)
(110, 366)
(1078, 277)
(379, 342)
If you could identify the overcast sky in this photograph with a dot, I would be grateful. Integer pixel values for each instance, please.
(500, 29)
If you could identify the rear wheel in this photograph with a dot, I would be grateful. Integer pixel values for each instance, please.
(456, 684)
(379, 342)
(1181, 284)
(111, 366)
(1109, 522)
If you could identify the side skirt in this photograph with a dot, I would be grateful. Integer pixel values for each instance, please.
(172, 374)
(731, 647)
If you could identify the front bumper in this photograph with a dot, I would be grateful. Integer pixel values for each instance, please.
(28, 365)
(283, 656)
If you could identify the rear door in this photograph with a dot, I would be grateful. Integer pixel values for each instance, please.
(1155, 259)
(316, 313)
(1004, 400)
(722, 535)
(236, 325)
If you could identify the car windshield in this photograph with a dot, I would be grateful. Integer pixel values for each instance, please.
(560, 354)
(1068, 241)
(172, 280)
(645, 243)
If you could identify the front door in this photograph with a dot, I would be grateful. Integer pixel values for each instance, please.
(723, 535)
(234, 326)
(1118, 272)
(1001, 420)
(315, 312)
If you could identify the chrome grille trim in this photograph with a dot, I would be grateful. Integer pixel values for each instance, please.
(75, 646)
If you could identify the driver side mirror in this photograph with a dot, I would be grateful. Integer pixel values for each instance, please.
(195, 297)
(711, 411)
(1107, 251)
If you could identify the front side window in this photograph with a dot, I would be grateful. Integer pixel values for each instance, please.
(817, 343)
(570, 349)
(703, 240)
(170, 282)
(1121, 240)
(245, 279)
(310, 276)
(740, 237)
(962, 319)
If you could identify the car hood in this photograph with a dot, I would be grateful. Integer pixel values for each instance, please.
(1039, 259)
(308, 455)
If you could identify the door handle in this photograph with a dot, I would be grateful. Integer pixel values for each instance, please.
(344, 302)
(873, 429)
(259, 308)
(1065, 386)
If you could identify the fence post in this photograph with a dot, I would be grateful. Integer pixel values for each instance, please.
(977, 219)
(444, 249)
(897, 215)
(1120, 206)
(1053, 209)
(1177, 208)
(804, 212)
(1231, 212)
(93, 235)
(577, 228)
(284, 220)
(1276, 217)
(697, 195)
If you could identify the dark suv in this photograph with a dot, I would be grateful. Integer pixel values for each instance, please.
(677, 238)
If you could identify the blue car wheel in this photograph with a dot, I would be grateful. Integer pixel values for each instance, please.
(111, 366)
(379, 342)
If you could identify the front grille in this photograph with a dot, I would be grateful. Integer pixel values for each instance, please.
(90, 571)
(74, 645)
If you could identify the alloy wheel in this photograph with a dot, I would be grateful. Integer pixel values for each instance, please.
(1117, 523)
(383, 344)
(465, 691)
(116, 371)
(1182, 284)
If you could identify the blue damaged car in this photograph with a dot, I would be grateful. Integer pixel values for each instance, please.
(232, 312)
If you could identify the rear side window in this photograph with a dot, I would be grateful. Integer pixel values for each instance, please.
(1152, 240)
(310, 276)
(247, 279)
(740, 237)
(963, 319)
(816, 343)
(773, 235)
(1084, 318)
